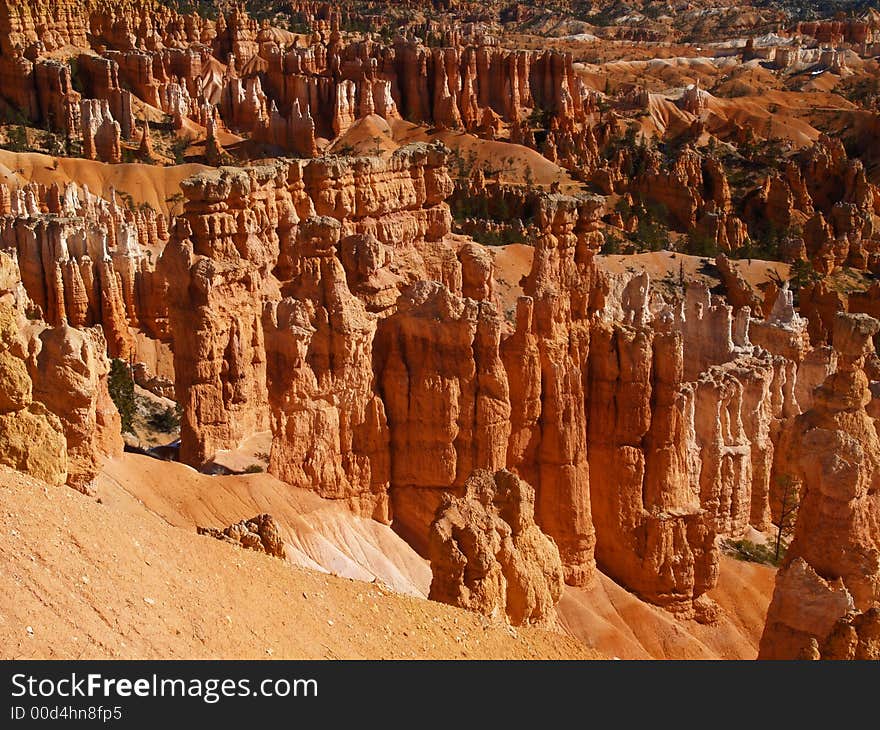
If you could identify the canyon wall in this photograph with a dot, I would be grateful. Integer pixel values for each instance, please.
(586, 423)
(333, 307)
(327, 301)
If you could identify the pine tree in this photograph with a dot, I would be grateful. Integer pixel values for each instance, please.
(121, 387)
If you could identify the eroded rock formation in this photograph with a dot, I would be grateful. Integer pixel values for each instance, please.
(827, 592)
(517, 433)
(488, 555)
(58, 422)
(85, 260)
(824, 200)
(31, 436)
(446, 395)
(329, 424)
(214, 264)
(70, 379)
(652, 532)
(260, 533)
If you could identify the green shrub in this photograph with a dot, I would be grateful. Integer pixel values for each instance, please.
(613, 244)
(802, 274)
(651, 235)
(121, 387)
(700, 244)
(178, 150)
(16, 139)
(76, 79)
(503, 237)
(751, 552)
(167, 420)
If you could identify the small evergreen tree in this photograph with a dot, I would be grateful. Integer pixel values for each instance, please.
(612, 244)
(167, 420)
(121, 387)
(802, 274)
(16, 139)
(700, 244)
(789, 501)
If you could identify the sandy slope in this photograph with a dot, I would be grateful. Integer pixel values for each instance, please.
(129, 577)
(790, 106)
(88, 580)
(320, 534)
(613, 621)
(512, 262)
(369, 135)
(744, 591)
(373, 135)
(144, 183)
(507, 162)
(670, 265)
(323, 536)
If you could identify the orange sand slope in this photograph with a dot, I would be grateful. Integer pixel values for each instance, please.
(129, 577)
(609, 619)
(509, 163)
(324, 536)
(156, 186)
(512, 262)
(662, 265)
(89, 580)
(319, 534)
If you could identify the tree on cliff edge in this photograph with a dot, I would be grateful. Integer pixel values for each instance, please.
(789, 501)
(121, 387)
